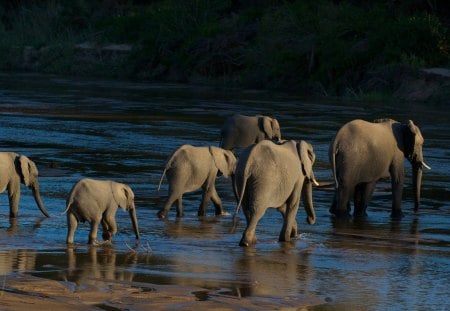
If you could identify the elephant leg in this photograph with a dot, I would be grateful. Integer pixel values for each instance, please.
(249, 235)
(14, 196)
(180, 206)
(109, 227)
(72, 224)
(333, 207)
(173, 196)
(294, 230)
(364, 196)
(289, 223)
(343, 197)
(217, 202)
(206, 197)
(93, 232)
(397, 193)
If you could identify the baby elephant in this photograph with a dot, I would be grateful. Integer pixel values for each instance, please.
(97, 201)
(190, 168)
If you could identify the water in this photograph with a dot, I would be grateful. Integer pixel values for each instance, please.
(75, 128)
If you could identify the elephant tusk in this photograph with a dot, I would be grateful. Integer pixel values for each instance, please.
(315, 182)
(425, 165)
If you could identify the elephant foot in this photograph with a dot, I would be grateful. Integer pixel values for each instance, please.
(246, 242)
(397, 215)
(106, 236)
(101, 243)
(162, 214)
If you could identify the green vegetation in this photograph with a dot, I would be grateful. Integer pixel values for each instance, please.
(310, 46)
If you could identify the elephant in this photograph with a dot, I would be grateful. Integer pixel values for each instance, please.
(97, 201)
(240, 131)
(363, 152)
(190, 168)
(16, 169)
(275, 175)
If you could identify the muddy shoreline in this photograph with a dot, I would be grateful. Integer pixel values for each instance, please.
(21, 291)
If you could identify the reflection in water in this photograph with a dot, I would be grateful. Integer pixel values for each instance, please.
(281, 272)
(20, 260)
(98, 265)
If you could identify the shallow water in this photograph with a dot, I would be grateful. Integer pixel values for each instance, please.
(124, 131)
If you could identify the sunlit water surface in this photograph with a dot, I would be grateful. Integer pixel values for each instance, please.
(74, 128)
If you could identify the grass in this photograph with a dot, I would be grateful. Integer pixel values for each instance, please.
(308, 46)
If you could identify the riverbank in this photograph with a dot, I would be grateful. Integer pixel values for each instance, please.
(19, 292)
(342, 49)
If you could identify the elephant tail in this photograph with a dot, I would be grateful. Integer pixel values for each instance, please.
(244, 184)
(161, 179)
(69, 203)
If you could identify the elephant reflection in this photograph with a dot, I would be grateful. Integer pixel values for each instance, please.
(279, 272)
(17, 260)
(97, 265)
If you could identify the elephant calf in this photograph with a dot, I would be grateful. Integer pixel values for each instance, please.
(190, 168)
(96, 201)
(16, 169)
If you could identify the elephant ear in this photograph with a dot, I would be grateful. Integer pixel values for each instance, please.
(26, 168)
(276, 129)
(409, 138)
(268, 127)
(307, 158)
(121, 196)
(224, 160)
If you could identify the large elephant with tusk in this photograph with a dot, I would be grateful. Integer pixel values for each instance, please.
(363, 152)
(16, 169)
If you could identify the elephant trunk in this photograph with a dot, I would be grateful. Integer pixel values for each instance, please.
(132, 213)
(37, 198)
(308, 202)
(417, 183)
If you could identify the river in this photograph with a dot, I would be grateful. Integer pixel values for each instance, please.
(125, 131)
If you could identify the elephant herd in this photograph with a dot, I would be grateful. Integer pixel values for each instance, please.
(266, 172)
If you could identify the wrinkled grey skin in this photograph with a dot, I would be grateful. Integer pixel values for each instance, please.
(241, 131)
(16, 169)
(191, 168)
(275, 175)
(363, 152)
(97, 201)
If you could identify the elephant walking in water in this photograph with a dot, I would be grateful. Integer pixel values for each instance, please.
(190, 168)
(97, 201)
(277, 176)
(16, 169)
(363, 152)
(241, 131)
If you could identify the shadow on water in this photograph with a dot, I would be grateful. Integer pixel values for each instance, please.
(126, 131)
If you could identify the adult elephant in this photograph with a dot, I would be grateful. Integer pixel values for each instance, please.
(16, 169)
(277, 176)
(191, 168)
(363, 152)
(241, 131)
(97, 201)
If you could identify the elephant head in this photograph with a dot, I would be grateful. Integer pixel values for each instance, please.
(29, 177)
(224, 160)
(413, 141)
(271, 128)
(124, 197)
(307, 159)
